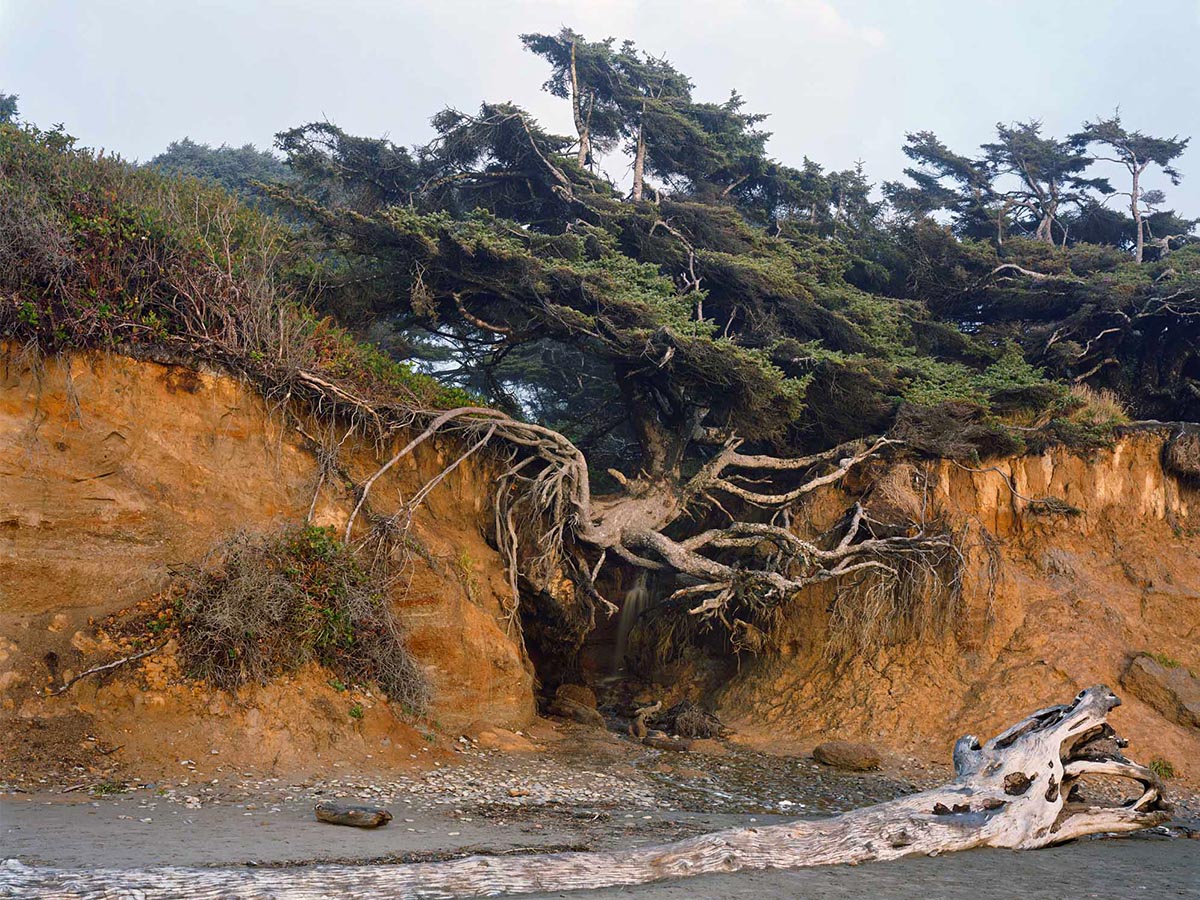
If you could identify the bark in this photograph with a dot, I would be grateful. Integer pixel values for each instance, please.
(639, 159)
(581, 124)
(1014, 792)
(1136, 208)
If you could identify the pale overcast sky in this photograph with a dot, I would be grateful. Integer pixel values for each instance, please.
(842, 79)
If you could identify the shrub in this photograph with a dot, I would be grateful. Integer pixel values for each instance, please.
(1097, 408)
(98, 254)
(264, 605)
(1162, 767)
(1165, 660)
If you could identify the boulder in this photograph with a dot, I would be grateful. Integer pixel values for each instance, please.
(659, 740)
(1172, 690)
(577, 712)
(577, 693)
(846, 755)
(492, 737)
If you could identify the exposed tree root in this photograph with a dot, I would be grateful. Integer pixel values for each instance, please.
(1012, 792)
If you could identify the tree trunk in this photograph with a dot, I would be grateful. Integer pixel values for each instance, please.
(1136, 208)
(639, 159)
(581, 125)
(1014, 792)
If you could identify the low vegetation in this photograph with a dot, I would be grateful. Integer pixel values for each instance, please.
(97, 254)
(1162, 768)
(261, 606)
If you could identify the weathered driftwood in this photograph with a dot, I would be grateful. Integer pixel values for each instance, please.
(348, 814)
(1014, 791)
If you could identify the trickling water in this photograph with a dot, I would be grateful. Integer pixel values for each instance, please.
(637, 598)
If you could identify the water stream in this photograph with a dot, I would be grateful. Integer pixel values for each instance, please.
(637, 599)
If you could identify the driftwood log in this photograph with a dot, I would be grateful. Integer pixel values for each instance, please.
(348, 814)
(1015, 791)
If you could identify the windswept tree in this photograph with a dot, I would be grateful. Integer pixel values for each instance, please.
(584, 72)
(654, 127)
(719, 373)
(1048, 176)
(1136, 152)
(943, 180)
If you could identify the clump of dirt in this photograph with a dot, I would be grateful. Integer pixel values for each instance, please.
(60, 750)
(1181, 456)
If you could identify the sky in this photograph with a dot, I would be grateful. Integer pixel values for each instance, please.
(843, 80)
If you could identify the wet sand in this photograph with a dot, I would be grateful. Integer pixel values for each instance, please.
(582, 797)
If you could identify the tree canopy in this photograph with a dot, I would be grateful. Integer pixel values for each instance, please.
(667, 367)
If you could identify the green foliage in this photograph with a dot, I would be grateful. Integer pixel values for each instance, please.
(261, 606)
(236, 169)
(1162, 768)
(108, 788)
(8, 108)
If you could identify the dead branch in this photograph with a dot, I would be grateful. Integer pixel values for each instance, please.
(107, 667)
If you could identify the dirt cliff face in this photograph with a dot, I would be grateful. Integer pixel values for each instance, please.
(1053, 600)
(114, 472)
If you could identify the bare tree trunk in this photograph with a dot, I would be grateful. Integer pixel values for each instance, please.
(1136, 208)
(639, 159)
(1017, 791)
(581, 126)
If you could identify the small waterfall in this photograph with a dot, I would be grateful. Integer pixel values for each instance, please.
(637, 599)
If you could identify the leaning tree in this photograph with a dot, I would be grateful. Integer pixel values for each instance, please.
(720, 373)
(1136, 152)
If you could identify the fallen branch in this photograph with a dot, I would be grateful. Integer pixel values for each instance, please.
(1014, 792)
(107, 667)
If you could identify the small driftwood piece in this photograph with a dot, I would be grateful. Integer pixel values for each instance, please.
(638, 727)
(349, 814)
(107, 667)
(1015, 791)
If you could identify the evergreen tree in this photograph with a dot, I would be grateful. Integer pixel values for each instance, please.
(1136, 152)
(1048, 176)
(8, 108)
(584, 72)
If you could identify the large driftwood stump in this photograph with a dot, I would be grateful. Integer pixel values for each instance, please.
(1014, 791)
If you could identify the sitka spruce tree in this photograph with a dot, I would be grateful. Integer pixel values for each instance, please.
(664, 368)
(671, 369)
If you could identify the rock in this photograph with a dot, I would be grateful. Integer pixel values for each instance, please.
(709, 747)
(348, 814)
(486, 736)
(577, 693)
(661, 741)
(1172, 690)
(846, 755)
(577, 712)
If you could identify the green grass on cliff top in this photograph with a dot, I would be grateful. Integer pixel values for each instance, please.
(98, 254)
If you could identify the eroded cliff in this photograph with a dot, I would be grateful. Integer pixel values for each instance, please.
(115, 472)
(1075, 564)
